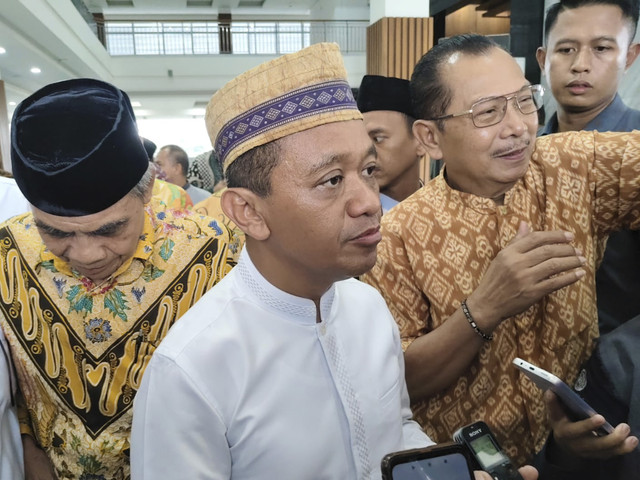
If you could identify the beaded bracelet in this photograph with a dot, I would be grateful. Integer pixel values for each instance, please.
(473, 323)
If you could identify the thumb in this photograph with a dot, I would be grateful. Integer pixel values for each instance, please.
(523, 230)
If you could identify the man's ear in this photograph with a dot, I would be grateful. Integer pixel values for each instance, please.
(632, 54)
(541, 56)
(244, 207)
(428, 135)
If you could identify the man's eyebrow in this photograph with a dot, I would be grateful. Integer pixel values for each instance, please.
(334, 158)
(606, 38)
(110, 228)
(376, 131)
(326, 162)
(49, 230)
(527, 84)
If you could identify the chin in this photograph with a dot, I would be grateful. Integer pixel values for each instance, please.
(363, 268)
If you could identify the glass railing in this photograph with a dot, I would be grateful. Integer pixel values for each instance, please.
(242, 38)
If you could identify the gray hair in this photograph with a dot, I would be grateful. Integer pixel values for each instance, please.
(145, 183)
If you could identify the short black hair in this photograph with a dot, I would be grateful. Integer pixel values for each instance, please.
(252, 170)
(179, 156)
(630, 11)
(430, 94)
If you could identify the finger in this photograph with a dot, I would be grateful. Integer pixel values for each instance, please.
(549, 285)
(563, 427)
(531, 240)
(480, 475)
(555, 266)
(523, 229)
(528, 472)
(551, 251)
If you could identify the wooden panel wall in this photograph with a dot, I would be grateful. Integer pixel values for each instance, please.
(394, 45)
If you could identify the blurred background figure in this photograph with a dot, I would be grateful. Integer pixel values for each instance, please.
(173, 162)
(386, 107)
(205, 172)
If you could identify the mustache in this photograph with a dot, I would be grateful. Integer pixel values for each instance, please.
(511, 148)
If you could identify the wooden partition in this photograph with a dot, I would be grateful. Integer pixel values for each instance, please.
(394, 45)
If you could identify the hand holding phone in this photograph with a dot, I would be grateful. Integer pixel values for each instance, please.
(445, 461)
(575, 407)
(486, 451)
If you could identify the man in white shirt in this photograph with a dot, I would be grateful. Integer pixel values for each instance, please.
(12, 202)
(289, 368)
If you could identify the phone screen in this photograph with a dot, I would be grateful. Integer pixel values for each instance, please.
(486, 452)
(446, 467)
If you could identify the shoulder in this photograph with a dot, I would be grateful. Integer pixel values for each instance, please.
(171, 222)
(209, 318)
(366, 297)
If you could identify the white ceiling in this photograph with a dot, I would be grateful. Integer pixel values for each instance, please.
(30, 32)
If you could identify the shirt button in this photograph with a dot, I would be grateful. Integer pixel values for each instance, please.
(323, 329)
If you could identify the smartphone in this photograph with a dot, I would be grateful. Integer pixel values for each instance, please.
(486, 451)
(576, 407)
(445, 461)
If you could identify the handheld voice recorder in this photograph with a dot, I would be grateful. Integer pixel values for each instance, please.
(486, 451)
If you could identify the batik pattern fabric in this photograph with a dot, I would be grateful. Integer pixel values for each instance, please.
(80, 349)
(438, 244)
(212, 207)
(167, 196)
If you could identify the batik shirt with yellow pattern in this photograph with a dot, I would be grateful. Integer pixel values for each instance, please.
(438, 244)
(212, 207)
(80, 349)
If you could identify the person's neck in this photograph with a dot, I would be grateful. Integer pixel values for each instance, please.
(405, 185)
(183, 182)
(294, 281)
(569, 121)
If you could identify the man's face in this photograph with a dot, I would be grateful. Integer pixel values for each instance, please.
(323, 212)
(395, 144)
(484, 161)
(170, 170)
(586, 56)
(94, 245)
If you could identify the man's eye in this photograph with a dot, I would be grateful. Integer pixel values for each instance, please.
(333, 181)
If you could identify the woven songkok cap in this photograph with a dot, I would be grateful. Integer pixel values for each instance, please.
(75, 148)
(384, 93)
(281, 97)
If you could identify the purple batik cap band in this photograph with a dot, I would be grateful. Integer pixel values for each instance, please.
(297, 104)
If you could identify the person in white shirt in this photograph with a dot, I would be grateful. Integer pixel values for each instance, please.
(12, 202)
(289, 368)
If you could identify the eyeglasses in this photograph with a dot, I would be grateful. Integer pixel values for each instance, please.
(492, 110)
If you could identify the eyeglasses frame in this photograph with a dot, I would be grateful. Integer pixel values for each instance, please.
(507, 97)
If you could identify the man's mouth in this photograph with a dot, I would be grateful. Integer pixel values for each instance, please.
(578, 87)
(370, 236)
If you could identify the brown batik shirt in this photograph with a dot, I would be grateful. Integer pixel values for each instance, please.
(438, 244)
